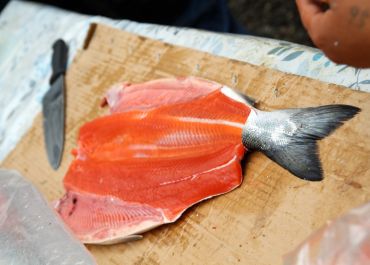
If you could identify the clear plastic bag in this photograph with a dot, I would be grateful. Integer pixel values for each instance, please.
(30, 231)
(344, 241)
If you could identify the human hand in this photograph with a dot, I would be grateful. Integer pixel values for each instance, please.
(341, 31)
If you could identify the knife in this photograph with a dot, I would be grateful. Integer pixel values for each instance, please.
(53, 105)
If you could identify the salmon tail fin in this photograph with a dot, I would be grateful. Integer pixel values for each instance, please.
(289, 137)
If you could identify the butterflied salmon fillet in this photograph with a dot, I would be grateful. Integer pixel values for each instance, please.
(171, 143)
(167, 145)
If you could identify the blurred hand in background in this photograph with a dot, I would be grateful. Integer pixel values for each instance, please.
(340, 28)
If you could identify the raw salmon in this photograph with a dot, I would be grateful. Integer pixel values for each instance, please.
(171, 143)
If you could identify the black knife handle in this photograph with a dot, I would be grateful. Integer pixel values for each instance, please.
(59, 59)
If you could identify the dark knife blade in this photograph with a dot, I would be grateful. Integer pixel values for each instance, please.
(53, 106)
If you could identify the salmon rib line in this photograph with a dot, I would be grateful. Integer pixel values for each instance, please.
(194, 176)
(209, 121)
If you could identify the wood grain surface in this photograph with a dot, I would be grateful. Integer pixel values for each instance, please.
(255, 224)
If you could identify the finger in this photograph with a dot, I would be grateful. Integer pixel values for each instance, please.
(308, 9)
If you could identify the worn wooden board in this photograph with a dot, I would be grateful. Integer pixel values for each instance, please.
(257, 223)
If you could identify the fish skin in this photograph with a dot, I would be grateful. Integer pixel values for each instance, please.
(289, 137)
(171, 143)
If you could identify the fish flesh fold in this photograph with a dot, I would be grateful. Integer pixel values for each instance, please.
(171, 143)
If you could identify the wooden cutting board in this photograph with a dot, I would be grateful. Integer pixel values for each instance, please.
(257, 223)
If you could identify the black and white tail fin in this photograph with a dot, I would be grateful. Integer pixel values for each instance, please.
(289, 137)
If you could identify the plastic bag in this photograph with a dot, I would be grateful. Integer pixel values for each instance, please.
(30, 231)
(345, 241)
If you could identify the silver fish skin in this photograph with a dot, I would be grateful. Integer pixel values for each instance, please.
(289, 137)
